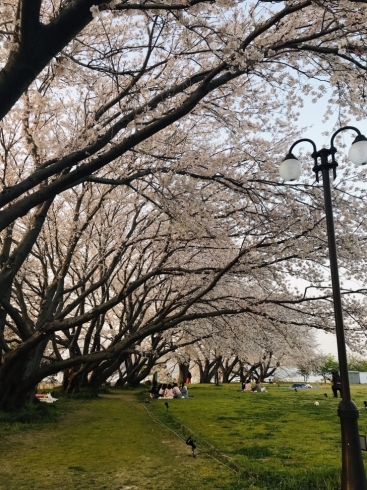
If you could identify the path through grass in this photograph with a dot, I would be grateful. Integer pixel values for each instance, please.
(106, 444)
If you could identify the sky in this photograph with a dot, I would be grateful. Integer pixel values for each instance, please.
(311, 115)
(327, 343)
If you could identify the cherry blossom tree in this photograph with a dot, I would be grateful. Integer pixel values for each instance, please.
(164, 120)
(250, 347)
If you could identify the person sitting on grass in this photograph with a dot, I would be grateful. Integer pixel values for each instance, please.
(162, 390)
(257, 386)
(248, 386)
(176, 391)
(184, 391)
(168, 391)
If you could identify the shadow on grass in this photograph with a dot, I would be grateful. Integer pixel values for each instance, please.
(33, 413)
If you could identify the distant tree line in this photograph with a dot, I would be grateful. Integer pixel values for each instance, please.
(324, 366)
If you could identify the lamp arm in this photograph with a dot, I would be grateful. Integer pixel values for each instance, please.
(300, 141)
(343, 129)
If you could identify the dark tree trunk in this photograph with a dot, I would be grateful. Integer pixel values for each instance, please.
(183, 369)
(249, 372)
(14, 389)
(263, 369)
(121, 382)
(39, 44)
(228, 369)
(75, 379)
(100, 374)
(208, 369)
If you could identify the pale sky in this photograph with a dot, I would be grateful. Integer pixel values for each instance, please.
(327, 343)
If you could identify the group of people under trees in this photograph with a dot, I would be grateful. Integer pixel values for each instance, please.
(252, 386)
(173, 390)
(168, 390)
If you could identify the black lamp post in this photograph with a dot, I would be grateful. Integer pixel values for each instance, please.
(353, 473)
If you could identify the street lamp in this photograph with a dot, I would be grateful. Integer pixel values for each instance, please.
(353, 474)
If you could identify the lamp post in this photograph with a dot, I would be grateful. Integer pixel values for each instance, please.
(353, 474)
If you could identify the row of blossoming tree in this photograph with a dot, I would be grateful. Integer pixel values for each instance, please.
(141, 209)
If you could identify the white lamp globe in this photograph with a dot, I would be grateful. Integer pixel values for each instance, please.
(358, 151)
(290, 168)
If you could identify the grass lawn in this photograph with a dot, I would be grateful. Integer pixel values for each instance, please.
(245, 441)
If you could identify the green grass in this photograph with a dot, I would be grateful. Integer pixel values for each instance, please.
(246, 441)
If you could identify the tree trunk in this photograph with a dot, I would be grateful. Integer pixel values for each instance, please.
(75, 380)
(183, 371)
(100, 373)
(208, 369)
(14, 389)
(228, 368)
(248, 372)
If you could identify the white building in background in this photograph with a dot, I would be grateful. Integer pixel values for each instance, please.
(355, 377)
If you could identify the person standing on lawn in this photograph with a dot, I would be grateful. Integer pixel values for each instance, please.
(336, 384)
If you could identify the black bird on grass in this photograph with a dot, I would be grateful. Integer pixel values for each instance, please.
(295, 389)
(325, 395)
(365, 404)
(166, 405)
